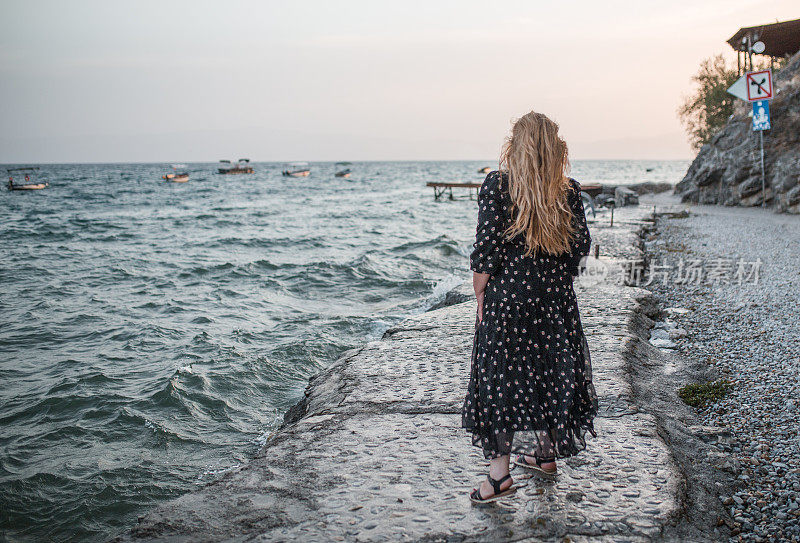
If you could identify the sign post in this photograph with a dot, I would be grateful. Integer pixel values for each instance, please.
(756, 88)
(761, 122)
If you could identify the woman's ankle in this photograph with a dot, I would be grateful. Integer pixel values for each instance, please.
(499, 468)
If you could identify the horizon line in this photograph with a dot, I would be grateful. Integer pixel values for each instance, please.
(58, 163)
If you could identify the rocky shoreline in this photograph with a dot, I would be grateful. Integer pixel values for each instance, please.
(375, 451)
(727, 170)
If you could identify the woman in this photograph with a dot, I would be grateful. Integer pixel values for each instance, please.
(530, 388)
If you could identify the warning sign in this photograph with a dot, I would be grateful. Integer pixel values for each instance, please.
(759, 85)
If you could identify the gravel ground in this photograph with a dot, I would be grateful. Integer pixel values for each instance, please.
(749, 334)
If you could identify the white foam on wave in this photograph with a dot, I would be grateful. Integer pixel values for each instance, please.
(445, 285)
(439, 292)
(215, 472)
(261, 439)
(465, 249)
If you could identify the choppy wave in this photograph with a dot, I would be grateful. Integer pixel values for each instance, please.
(154, 333)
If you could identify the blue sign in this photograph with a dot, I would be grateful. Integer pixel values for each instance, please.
(761, 115)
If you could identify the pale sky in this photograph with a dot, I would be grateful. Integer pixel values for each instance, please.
(113, 81)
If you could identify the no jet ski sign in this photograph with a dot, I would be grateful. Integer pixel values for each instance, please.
(753, 86)
(756, 87)
(759, 85)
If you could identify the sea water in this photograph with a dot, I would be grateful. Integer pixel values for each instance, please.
(153, 334)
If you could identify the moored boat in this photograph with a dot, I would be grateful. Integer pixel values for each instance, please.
(485, 169)
(242, 166)
(345, 172)
(176, 176)
(296, 169)
(27, 183)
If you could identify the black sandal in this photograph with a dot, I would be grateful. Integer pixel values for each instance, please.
(476, 497)
(537, 466)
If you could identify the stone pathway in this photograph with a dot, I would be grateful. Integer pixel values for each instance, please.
(376, 451)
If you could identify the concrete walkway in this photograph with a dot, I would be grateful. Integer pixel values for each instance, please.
(375, 452)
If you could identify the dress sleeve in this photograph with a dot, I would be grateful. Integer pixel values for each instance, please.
(581, 240)
(488, 248)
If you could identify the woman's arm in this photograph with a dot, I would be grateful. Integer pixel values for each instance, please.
(581, 241)
(487, 253)
(479, 281)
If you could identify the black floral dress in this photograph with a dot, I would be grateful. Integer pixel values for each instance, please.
(531, 382)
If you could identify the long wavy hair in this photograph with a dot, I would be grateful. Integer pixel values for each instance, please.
(536, 160)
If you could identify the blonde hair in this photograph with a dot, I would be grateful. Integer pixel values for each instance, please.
(536, 161)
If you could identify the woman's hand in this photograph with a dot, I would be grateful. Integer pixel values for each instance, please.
(479, 281)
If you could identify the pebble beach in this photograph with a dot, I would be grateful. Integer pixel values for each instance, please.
(748, 335)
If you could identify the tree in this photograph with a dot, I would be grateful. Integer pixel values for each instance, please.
(705, 112)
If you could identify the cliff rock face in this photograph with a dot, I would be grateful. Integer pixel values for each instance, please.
(728, 169)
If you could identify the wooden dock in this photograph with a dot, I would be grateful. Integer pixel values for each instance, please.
(440, 189)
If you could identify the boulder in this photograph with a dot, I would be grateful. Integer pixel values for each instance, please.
(605, 200)
(650, 187)
(624, 196)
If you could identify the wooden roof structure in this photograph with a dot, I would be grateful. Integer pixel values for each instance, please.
(779, 39)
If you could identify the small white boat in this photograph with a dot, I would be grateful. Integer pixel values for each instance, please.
(296, 169)
(176, 176)
(27, 183)
(242, 166)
